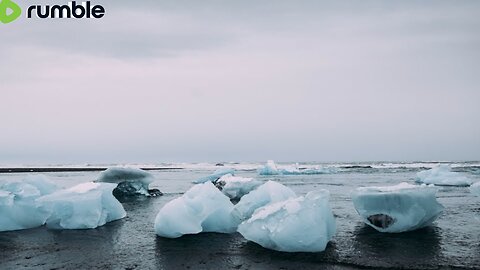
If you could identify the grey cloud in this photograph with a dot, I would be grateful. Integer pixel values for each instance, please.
(166, 28)
(244, 80)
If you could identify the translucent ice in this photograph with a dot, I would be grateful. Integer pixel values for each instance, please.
(399, 208)
(303, 224)
(442, 176)
(215, 175)
(6, 198)
(270, 192)
(42, 183)
(130, 181)
(31, 186)
(475, 188)
(18, 202)
(235, 187)
(203, 208)
(269, 169)
(84, 206)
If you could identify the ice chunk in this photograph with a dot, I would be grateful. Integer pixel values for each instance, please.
(203, 208)
(84, 206)
(17, 207)
(235, 187)
(19, 214)
(475, 188)
(42, 183)
(442, 176)
(21, 190)
(36, 200)
(399, 208)
(18, 202)
(131, 181)
(215, 175)
(6, 198)
(31, 186)
(270, 192)
(303, 224)
(271, 169)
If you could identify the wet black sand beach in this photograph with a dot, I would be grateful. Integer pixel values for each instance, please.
(452, 242)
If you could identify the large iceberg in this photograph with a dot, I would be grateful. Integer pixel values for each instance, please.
(270, 192)
(271, 169)
(399, 208)
(18, 202)
(235, 187)
(203, 208)
(475, 188)
(215, 175)
(85, 206)
(130, 181)
(303, 224)
(442, 176)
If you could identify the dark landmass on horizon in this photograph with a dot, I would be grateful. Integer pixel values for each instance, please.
(75, 169)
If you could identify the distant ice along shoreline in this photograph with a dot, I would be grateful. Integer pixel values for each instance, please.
(241, 166)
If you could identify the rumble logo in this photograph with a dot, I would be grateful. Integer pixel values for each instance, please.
(9, 11)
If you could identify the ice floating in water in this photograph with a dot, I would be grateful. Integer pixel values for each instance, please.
(442, 176)
(215, 175)
(399, 208)
(303, 224)
(203, 208)
(475, 188)
(84, 206)
(235, 187)
(271, 169)
(18, 202)
(270, 192)
(131, 181)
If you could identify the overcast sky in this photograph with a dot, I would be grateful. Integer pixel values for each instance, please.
(159, 81)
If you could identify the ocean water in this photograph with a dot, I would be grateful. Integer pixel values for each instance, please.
(452, 241)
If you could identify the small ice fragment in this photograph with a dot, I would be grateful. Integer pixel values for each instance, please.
(235, 187)
(399, 208)
(203, 208)
(215, 175)
(303, 224)
(130, 181)
(442, 176)
(475, 189)
(270, 192)
(269, 169)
